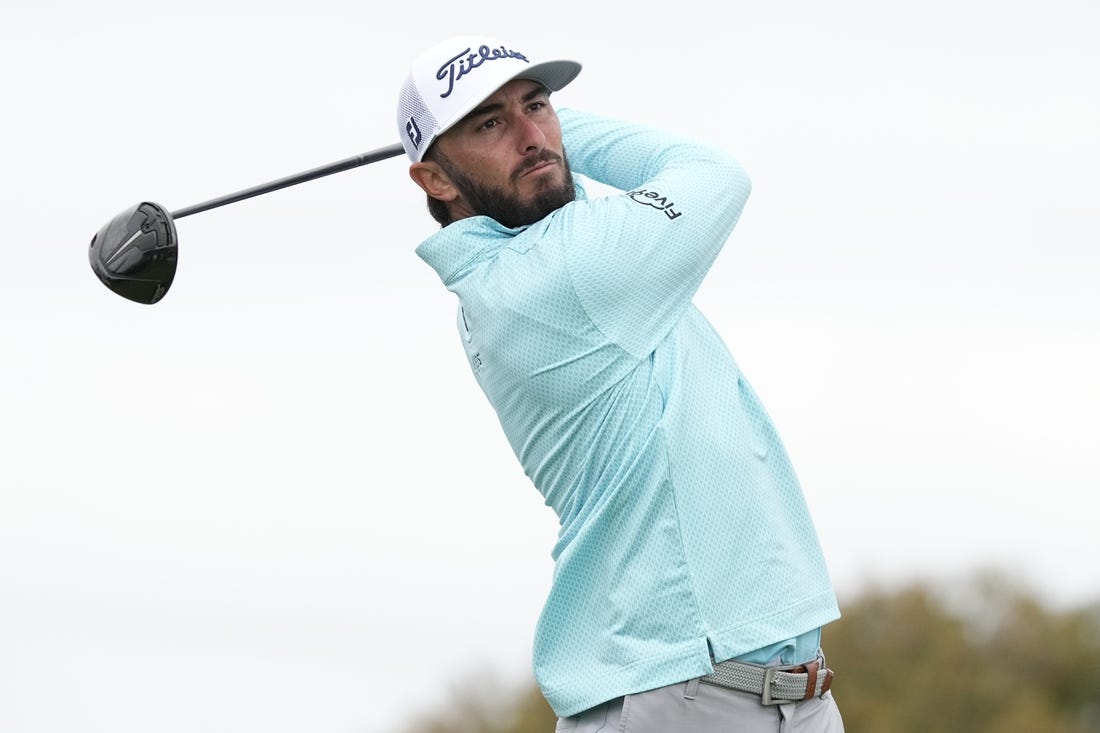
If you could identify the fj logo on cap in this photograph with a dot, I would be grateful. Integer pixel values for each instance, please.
(413, 131)
(466, 61)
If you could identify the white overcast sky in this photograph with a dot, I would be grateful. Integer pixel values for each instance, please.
(276, 501)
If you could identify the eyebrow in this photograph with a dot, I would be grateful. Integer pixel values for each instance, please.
(494, 106)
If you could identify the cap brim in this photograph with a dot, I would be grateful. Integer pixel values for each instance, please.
(554, 74)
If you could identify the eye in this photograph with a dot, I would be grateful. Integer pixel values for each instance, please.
(489, 124)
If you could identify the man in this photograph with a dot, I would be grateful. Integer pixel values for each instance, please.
(689, 587)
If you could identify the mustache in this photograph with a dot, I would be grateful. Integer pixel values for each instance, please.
(546, 156)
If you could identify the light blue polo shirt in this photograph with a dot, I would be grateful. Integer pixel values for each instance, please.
(684, 531)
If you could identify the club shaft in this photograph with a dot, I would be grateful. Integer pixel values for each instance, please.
(372, 156)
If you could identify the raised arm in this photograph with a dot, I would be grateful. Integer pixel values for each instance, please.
(637, 259)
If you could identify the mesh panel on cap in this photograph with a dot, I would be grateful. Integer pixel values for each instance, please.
(411, 105)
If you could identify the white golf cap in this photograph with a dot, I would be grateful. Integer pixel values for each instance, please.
(452, 78)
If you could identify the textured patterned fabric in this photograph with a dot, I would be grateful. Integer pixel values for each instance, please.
(684, 531)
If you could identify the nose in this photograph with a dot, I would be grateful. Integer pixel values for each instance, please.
(531, 137)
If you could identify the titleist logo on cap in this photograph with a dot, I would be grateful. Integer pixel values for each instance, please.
(464, 62)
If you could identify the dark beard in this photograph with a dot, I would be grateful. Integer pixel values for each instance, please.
(504, 206)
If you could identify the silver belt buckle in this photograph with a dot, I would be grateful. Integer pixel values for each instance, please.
(769, 676)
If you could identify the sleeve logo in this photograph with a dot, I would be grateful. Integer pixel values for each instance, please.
(656, 200)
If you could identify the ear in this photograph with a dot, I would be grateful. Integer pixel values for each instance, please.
(435, 182)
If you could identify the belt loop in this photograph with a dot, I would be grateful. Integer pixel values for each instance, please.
(811, 679)
(691, 689)
(828, 682)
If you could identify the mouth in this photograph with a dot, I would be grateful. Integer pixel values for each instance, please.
(539, 166)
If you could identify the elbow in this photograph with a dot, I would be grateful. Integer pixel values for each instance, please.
(739, 176)
(736, 181)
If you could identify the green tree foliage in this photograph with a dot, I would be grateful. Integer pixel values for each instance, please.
(977, 657)
(985, 656)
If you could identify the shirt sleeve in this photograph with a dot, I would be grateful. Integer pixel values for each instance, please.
(637, 259)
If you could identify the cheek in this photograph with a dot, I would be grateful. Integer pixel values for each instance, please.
(552, 131)
(480, 165)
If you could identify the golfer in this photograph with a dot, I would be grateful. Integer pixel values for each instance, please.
(689, 587)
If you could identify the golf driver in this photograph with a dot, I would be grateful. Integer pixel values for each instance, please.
(134, 254)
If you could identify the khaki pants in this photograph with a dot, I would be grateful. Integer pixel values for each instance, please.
(692, 707)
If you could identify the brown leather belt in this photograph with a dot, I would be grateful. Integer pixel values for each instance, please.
(774, 685)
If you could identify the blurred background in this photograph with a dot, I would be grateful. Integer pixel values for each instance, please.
(276, 500)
